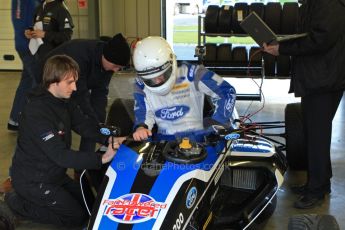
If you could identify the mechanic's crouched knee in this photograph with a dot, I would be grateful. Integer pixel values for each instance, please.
(22, 208)
(78, 219)
(60, 204)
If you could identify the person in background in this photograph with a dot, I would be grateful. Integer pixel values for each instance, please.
(172, 96)
(318, 77)
(53, 24)
(22, 14)
(97, 60)
(43, 192)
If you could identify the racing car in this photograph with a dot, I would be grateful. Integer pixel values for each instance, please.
(210, 179)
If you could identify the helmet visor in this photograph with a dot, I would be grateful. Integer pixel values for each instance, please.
(159, 80)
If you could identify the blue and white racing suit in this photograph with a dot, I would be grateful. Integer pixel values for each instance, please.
(181, 110)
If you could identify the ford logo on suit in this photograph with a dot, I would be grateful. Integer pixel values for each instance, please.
(172, 113)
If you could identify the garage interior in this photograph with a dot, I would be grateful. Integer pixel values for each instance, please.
(141, 18)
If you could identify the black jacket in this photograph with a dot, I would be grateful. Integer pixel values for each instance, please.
(319, 58)
(57, 24)
(88, 54)
(43, 151)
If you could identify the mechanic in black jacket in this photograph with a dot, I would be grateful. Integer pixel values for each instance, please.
(57, 25)
(318, 77)
(43, 191)
(97, 60)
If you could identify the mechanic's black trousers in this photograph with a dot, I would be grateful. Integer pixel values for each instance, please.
(318, 111)
(59, 204)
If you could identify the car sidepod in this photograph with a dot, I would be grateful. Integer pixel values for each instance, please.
(253, 173)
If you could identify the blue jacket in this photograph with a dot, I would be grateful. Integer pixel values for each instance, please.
(22, 18)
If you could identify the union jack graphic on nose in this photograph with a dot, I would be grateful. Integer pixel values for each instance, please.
(135, 206)
(132, 208)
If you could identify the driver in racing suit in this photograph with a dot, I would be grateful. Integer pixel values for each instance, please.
(171, 96)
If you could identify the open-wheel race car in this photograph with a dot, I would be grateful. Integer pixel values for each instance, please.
(211, 179)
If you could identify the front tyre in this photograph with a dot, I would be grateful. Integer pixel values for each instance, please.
(296, 154)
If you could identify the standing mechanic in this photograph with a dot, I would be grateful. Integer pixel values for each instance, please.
(97, 60)
(53, 24)
(43, 191)
(318, 77)
(173, 97)
(22, 14)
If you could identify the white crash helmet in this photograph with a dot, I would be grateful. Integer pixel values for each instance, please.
(155, 63)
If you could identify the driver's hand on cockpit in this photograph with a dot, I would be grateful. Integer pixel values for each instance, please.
(141, 134)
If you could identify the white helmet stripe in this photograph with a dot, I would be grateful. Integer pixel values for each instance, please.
(154, 70)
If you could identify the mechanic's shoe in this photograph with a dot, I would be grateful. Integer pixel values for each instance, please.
(13, 201)
(309, 200)
(6, 186)
(12, 125)
(8, 219)
(16, 205)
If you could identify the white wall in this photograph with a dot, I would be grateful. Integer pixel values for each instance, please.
(7, 37)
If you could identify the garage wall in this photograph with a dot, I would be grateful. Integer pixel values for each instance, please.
(6, 38)
(132, 18)
(85, 19)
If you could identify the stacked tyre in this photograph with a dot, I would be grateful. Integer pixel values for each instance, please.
(226, 19)
(220, 20)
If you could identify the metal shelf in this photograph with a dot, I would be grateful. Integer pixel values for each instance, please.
(234, 69)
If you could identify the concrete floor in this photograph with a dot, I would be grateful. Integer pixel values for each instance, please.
(276, 98)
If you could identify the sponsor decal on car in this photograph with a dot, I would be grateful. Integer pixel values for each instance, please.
(132, 208)
(172, 113)
(105, 131)
(191, 197)
(232, 136)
